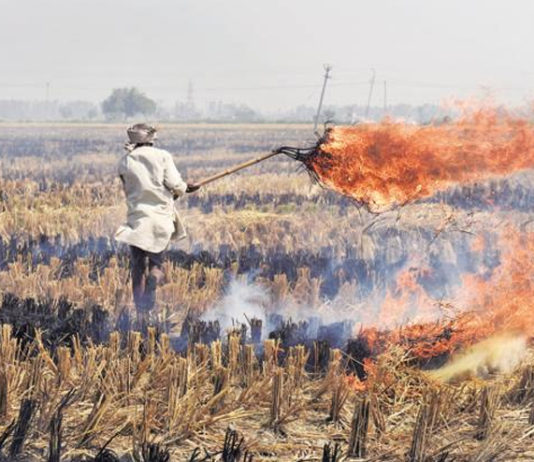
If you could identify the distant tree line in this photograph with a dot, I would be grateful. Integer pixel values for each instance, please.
(15, 110)
(130, 103)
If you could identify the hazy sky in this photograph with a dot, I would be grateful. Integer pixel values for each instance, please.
(269, 53)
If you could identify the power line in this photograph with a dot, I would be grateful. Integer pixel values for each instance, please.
(276, 87)
(346, 83)
(23, 85)
(281, 87)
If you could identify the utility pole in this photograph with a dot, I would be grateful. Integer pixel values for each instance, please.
(327, 70)
(385, 97)
(190, 102)
(47, 109)
(371, 86)
(190, 94)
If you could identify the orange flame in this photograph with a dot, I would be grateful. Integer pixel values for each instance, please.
(388, 164)
(499, 304)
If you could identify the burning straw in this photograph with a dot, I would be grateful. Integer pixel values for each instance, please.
(389, 164)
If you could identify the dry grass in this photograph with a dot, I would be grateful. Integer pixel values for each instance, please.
(283, 412)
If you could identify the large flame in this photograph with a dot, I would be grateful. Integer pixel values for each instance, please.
(388, 164)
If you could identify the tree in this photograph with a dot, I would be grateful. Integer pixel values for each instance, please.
(127, 102)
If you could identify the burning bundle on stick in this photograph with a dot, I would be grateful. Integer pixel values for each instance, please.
(389, 164)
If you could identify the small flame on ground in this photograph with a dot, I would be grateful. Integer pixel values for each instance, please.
(486, 306)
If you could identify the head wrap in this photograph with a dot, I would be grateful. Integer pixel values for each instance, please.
(142, 133)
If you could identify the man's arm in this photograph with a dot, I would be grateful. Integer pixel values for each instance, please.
(172, 178)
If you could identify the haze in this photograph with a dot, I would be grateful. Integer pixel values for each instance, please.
(269, 53)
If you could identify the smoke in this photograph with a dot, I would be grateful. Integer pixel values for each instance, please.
(242, 300)
(481, 276)
(498, 354)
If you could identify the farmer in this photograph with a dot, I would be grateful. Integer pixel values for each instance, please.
(151, 183)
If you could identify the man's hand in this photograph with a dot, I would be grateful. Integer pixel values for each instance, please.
(192, 188)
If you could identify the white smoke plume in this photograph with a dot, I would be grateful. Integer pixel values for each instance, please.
(242, 300)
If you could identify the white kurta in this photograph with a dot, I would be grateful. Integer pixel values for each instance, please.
(151, 180)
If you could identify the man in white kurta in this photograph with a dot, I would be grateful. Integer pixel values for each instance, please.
(151, 183)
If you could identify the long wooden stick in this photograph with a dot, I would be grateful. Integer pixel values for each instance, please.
(235, 169)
